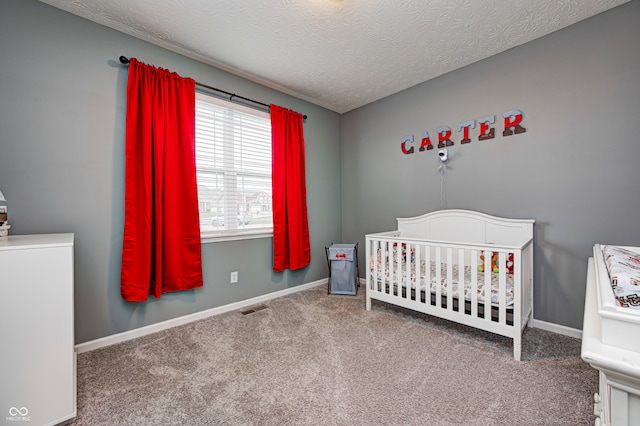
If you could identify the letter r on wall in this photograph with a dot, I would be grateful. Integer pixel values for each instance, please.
(512, 120)
(444, 135)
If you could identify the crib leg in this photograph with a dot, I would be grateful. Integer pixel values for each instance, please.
(517, 347)
(368, 299)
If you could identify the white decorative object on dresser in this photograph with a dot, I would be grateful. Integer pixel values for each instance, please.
(610, 345)
(38, 367)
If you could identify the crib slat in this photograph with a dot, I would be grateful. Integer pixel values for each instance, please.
(502, 289)
(391, 265)
(438, 280)
(418, 266)
(474, 283)
(397, 268)
(461, 282)
(407, 269)
(409, 262)
(522, 290)
(374, 259)
(380, 271)
(487, 285)
(386, 285)
(449, 279)
(401, 269)
(427, 274)
(378, 264)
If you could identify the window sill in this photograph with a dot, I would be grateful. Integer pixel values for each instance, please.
(220, 237)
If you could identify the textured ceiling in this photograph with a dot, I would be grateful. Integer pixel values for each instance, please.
(337, 54)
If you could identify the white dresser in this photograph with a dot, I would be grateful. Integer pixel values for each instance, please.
(37, 361)
(617, 402)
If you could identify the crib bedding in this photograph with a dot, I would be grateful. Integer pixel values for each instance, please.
(395, 278)
(624, 271)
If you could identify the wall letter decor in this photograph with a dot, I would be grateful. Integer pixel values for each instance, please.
(444, 133)
(403, 145)
(512, 126)
(487, 132)
(464, 126)
(426, 142)
(512, 119)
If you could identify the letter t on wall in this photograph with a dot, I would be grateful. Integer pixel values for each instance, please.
(464, 126)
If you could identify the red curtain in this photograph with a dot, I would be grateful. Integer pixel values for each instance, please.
(161, 249)
(290, 224)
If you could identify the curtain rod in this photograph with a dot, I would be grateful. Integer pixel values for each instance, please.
(124, 60)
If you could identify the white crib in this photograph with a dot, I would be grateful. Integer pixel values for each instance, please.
(430, 264)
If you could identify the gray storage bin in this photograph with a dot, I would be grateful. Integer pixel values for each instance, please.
(343, 268)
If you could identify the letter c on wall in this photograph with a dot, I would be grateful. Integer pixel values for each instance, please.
(407, 140)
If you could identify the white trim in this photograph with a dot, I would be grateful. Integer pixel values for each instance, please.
(164, 325)
(212, 237)
(556, 328)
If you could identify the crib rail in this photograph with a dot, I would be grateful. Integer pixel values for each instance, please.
(449, 280)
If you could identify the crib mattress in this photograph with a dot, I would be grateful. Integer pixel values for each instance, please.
(399, 277)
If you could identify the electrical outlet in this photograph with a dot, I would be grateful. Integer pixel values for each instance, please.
(234, 277)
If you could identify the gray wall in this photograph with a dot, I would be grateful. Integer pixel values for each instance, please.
(62, 117)
(575, 171)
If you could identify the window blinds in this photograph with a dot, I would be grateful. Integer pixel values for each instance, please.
(233, 166)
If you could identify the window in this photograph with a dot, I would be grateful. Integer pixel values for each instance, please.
(233, 167)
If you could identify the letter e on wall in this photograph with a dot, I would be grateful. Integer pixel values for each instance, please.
(487, 132)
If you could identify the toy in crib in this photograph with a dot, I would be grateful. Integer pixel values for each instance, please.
(510, 263)
(494, 262)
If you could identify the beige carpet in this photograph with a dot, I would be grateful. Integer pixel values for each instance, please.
(314, 359)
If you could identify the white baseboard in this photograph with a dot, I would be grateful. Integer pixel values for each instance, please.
(556, 328)
(164, 325)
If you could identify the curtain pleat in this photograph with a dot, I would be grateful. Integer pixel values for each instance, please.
(161, 250)
(291, 248)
